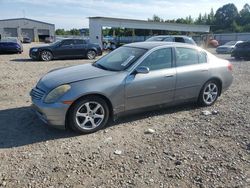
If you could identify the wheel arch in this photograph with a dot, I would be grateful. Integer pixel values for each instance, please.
(106, 99)
(92, 48)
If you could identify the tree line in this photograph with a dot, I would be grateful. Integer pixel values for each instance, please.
(225, 20)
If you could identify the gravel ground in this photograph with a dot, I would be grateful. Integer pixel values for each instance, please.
(172, 147)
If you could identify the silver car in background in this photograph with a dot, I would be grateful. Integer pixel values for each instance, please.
(134, 76)
(227, 48)
(172, 38)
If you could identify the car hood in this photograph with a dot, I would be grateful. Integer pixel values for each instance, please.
(41, 47)
(67, 75)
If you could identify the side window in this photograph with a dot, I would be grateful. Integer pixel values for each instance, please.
(168, 39)
(202, 57)
(186, 56)
(189, 41)
(79, 42)
(159, 59)
(67, 42)
(179, 39)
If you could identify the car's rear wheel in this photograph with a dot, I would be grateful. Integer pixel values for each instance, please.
(209, 93)
(91, 54)
(46, 55)
(88, 115)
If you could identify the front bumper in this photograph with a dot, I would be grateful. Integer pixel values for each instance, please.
(34, 55)
(52, 114)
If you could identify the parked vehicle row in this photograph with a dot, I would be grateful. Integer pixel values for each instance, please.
(241, 50)
(227, 48)
(133, 77)
(237, 49)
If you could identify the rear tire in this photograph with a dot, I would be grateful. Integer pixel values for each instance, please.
(209, 93)
(46, 55)
(88, 115)
(91, 54)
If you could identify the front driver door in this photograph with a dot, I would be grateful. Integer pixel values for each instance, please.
(155, 87)
(65, 49)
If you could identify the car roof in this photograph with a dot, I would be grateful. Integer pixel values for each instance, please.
(151, 45)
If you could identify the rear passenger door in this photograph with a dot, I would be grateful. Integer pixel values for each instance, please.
(192, 72)
(80, 47)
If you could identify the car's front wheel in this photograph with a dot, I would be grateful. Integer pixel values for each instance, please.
(46, 55)
(209, 93)
(88, 115)
(91, 54)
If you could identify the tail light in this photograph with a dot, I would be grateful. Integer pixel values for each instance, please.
(230, 67)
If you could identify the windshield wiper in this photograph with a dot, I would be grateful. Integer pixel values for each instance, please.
(100, 66)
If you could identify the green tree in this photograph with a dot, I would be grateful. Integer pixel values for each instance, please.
(245, 15)
(60, 32)
(74, 32)
(210, 18)
(155, 18)
(225, 16)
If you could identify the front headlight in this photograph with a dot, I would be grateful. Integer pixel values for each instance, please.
(56, 93)
(34, 50)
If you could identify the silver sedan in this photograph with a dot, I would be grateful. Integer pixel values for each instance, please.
(132, 77)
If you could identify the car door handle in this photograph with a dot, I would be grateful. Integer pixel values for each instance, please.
(169, 75)
(204, 70)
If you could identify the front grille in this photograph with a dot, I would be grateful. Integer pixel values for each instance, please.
(37, 93)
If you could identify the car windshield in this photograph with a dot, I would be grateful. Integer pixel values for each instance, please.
(231, 43)
(55, 43)
(120, 59)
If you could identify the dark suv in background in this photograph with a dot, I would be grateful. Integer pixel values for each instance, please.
(65, 49)
(241, 50)
(172, 38)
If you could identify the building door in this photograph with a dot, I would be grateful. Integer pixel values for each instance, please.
(28, 33)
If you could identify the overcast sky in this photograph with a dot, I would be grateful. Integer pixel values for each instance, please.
(73, 13)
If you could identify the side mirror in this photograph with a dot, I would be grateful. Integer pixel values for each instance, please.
(142, 70)
(59, 45)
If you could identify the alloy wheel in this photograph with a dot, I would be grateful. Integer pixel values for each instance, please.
(91, 54)
(210, 93)
(46, 56)
(90, 115)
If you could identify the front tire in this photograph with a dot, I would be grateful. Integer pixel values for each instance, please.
(209, 93)
(88, 115)
(46, 55)
(91, 54)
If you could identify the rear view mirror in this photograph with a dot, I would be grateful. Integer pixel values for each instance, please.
(142, 70)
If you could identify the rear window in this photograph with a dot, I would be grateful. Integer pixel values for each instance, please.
(243, 45)
(79, 42)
